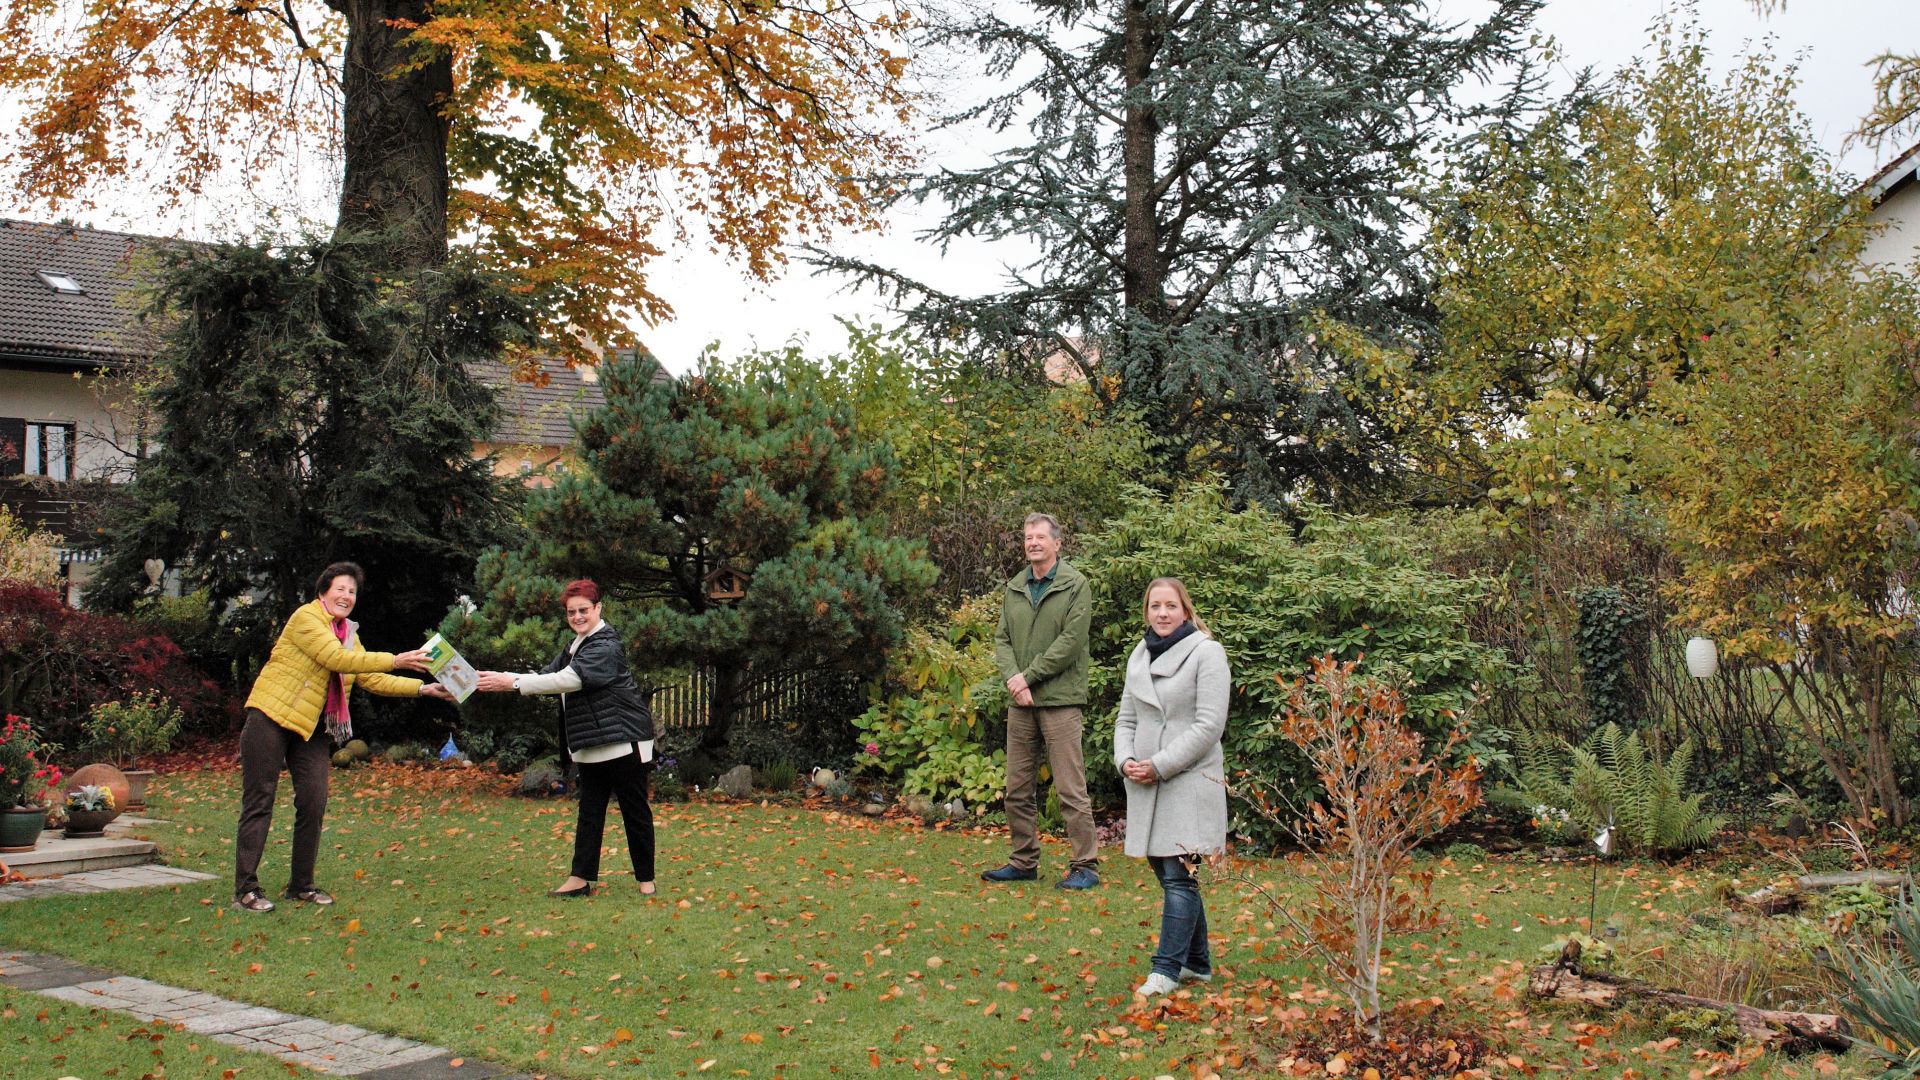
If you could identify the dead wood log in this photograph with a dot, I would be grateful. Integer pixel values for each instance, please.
(1779, 899)
(1771, 1028)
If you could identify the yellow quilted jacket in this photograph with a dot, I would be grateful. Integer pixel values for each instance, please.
(292, 688)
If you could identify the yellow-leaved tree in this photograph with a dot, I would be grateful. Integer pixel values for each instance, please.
(1788, 480)
(1651, 301)
(561, 140)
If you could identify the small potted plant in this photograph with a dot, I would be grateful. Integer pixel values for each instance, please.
(126, 732)
(26, 772)
(89, 808)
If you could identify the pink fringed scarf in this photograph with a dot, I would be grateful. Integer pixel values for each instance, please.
(339, 723)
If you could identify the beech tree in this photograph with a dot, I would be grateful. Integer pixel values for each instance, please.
(558, 140)
(1653, 306)
(1586, 261)
(1202, 181)
(1787, 485)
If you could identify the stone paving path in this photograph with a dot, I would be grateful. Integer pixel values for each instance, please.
(336, 1049)
(93, 881)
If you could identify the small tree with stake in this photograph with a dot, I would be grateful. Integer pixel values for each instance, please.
(1382, 796)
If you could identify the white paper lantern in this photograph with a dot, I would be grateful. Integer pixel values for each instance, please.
(1703, 658)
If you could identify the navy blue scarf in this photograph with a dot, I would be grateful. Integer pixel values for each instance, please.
(1157, 644)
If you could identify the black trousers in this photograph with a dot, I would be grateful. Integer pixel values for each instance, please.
(624, 778)
(265, 749)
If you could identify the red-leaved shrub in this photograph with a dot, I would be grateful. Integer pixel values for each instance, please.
(57, 663)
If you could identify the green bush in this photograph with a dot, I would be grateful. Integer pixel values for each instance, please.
(1275, 600)
(1466, 853)
(137, 727)
(940, 728)
(779, 776)
(1611, 778)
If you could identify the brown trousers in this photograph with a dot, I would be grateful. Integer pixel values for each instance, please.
(265, 749)
(1058, 728)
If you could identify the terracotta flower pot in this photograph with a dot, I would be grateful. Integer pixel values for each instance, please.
(101, 775)
(20, 828)
(137, 781)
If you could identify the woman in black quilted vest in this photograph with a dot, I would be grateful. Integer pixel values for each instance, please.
(609, 736)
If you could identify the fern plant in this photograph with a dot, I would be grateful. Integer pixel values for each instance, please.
(1611, 778)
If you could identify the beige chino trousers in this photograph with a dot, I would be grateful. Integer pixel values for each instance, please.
(1058, 730)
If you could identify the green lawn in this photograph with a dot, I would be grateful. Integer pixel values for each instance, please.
(41, 1037)
(784, 941)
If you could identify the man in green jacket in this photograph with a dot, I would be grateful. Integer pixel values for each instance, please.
(1041, 648)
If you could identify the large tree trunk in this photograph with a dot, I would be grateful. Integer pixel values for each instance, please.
(1144, 264)
(396, 136)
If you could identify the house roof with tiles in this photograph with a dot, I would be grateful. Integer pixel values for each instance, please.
(541, 415)
(71, 296)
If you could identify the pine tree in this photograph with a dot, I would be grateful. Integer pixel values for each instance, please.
(683, 479)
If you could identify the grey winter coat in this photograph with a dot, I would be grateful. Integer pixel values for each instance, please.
(1173, 713)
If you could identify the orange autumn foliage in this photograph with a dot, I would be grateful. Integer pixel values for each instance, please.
(577, 138)
(1382, 795)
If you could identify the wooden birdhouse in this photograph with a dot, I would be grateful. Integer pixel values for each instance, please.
(726, 585)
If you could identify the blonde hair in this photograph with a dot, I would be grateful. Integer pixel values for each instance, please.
(1186, 601)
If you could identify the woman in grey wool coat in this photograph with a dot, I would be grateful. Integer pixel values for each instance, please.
(1166, 744)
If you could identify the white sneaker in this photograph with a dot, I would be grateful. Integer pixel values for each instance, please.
(1188, 975)
(1156, 984)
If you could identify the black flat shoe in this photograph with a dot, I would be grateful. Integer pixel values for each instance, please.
(568, 894)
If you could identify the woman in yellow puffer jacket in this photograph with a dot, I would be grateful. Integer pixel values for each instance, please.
(315, 664)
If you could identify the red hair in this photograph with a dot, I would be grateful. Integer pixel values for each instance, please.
(583, 587)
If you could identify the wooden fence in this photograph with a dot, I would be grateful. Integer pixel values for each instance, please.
(682, 702)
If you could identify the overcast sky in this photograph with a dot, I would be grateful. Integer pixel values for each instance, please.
(1832, 39)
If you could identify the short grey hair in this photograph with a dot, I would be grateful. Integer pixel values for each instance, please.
(1038, 518)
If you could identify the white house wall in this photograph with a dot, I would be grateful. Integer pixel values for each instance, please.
(1898, 244)
(104, 440)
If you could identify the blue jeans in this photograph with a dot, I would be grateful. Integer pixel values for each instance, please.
(1183, 920)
